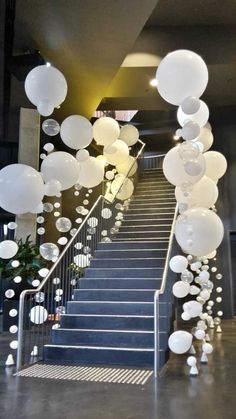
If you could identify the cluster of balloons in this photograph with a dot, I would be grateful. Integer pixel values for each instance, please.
(182, 77)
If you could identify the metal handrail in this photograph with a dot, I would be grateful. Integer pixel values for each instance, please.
(160, 292)
(53, 268)
(156, 155)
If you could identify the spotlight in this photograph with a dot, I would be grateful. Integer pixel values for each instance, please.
(153, 82)
(48, 64)
(176, 137)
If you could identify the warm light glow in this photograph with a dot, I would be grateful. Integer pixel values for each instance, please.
(48, 64)
(176, 137)
(153, 82)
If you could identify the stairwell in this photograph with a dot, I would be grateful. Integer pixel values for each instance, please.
(110, 321)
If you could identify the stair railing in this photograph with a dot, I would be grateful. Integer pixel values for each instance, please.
(158, 294)
(153, 162)
(40, 308)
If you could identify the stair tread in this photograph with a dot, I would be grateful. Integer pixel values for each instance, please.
(99, 347)
(108, 330)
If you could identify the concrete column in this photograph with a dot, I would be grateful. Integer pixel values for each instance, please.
(29, 143)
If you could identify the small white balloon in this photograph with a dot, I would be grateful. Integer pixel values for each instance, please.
(207, 348)
(200, 117)
(190, 105)
(9, 293)
(190, 131)
(105, 130)
(38, 314)
(178, 263)
(50, 127)
(180, 341)
(8, 249)
(49, 147)
(62, 241)
(43, 272)
(12, 225)
(82, 155)
(129, 134)
(180, 289)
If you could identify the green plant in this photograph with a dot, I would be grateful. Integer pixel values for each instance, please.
(30, 262)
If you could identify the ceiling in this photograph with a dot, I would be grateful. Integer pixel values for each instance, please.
(109, 50)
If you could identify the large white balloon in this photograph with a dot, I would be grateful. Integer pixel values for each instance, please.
(122, 187)
(21, 188)
(199, 231)
(129, 134)
(203, 194)
(200, 117)
(76, 132)
(205, 138)
(91, 173)
(181, 74)
(46, 88)
(105, 130)
(181, 289)
(116, 152)
(128, 167)
(216, 164)
(178, 263)
(61, 166)
(174, 171)
(180, 341)
(8, 249)
(193, 308)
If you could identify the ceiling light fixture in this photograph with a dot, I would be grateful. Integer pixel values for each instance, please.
(153, 82)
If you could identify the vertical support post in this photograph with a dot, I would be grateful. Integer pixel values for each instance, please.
(29, 142)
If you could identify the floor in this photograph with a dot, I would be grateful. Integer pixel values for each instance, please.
(174, 396)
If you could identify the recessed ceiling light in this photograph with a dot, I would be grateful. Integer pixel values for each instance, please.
(176, 137)
(48, 64)
(153, 82)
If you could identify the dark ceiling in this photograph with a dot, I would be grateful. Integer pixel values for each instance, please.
(109, 51)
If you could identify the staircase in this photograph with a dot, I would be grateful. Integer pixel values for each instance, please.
(110, 321)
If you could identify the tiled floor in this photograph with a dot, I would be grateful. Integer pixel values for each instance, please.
(174, 396)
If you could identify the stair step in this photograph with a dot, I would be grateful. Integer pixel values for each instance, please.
(159, 215)
(147, 227)
(146, 238)
(146, 221)
(114, 295)
(85, 355)
(123, 272)
(135, 244)
(145, 211)
(130, 253)
(114, 307)
(127, 263)
(83, 321)
(110, 338)
(154, 234)
(120, 283)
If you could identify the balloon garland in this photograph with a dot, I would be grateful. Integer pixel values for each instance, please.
(182, 77)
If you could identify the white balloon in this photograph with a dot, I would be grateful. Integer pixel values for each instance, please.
(205, 138)
(49, 251)
(82, 261)
(190, 131)
(129, 134)
(207, 348)
(204, 275)
(194, 290)
(216, 164)
(199, 334)
(106, 213)
(46, 88)
(206, 231)
(116, 152)
(178, 263)
(61, 166)
(82, 155)
(173, 168)
(76, 132)
(181, 74)
(128, 167)
(194, 308)
(185, 316)
(8, 249)
(180, 289)
(52, 187)
(180, 341)
(200, 117)
(211, 255)
(110, 175)
(49, 147)
(190, 105)
(91, 173)
(50, 127)
(122, 187)
(203, 194)
(105, 130)
(21, 188)
(38, 314)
